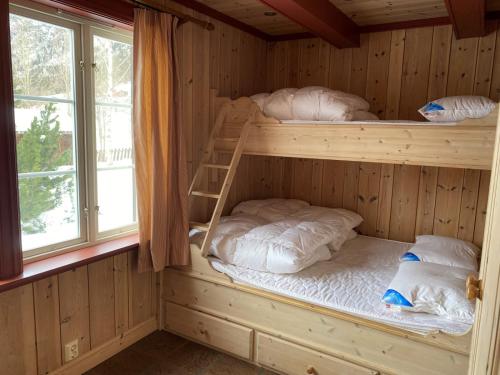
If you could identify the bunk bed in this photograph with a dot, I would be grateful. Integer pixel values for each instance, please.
(282, 332)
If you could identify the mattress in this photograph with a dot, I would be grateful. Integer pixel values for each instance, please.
(371, 122)
(353, 282)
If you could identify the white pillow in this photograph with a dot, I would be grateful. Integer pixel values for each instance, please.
(279, 104)
(260, 99)
(286, 246)
(457, 108)
(364, 116)
(443, 250)
(273, 209)
(431, 288)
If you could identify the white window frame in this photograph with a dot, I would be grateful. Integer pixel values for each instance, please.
(85, 153)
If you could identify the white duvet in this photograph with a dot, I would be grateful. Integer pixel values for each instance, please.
(280, 235)
(353, 281)
(285, 246)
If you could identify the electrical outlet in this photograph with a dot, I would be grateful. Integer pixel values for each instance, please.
(71, 350)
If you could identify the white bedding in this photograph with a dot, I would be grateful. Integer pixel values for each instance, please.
(353, 281)
(371, 122)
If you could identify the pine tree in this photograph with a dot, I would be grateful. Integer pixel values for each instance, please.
(39, 151)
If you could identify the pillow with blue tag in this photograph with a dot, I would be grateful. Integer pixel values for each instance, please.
(457, 108)
(443, 250)
(430, 288)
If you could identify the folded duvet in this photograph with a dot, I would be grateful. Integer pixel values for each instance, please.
(285, 246)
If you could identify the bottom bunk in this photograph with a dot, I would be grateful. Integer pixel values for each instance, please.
(292, 336)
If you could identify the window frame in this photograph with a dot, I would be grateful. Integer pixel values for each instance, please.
(90, 31)
(84, 115)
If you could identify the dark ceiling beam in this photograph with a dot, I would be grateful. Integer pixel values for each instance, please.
(215, 14)
(426, 22)
(467, 17)
(321, 18)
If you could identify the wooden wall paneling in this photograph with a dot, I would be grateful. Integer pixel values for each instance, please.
(368, 197)
(292, 67)
(235, 63)
(418, 45)
(470, 191)
(426, 200)
(121, 285)
(101, 302)
(404, 203)
(74, 308)
(351, 185)
(495, 74)
(359, 67)
(340, 68)
(48, 329)
(186, 76)
(484, 64)
(302, 179)
(448, 198)
(140, 293)
(200, 104)
(440, 61)
(215, 54)
(384, 201)
(17, 327)
(378, 72)
(482, 203)
(309, 62)
(462, 66)
(316, 182)
(395, 74)
(332, 187)
(278, 175)
(225, 61)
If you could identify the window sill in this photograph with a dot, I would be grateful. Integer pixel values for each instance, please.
(60, 263)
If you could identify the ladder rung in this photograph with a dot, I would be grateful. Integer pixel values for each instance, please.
(227, 139)
(199, 226)
(207, 194)
(216, 166)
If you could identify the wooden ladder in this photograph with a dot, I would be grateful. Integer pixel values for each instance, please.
(243, 110)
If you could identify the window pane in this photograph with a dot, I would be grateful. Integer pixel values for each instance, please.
(42, 66)
(116, 187)
(113, 71)
(42, 58)
(48, 206)
(113, 119)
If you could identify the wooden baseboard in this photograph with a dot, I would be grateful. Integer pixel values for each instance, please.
(97, 355)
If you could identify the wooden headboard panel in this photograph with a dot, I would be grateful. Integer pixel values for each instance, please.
(396, 201)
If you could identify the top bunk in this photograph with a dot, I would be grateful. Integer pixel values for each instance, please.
(465, 144)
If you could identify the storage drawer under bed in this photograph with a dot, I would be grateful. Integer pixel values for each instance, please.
(206, 329)
(292, 359)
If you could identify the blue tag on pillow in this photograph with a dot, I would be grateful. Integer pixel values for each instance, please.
(433, 107)
(409, 257)
(393, 297)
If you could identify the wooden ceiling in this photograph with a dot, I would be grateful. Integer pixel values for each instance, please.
(340, 21)
(362, 12)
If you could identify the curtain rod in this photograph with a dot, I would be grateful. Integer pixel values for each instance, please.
(184, 17)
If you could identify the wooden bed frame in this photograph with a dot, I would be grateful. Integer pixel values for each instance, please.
(294, 337)
(206, 306)
(468, 144)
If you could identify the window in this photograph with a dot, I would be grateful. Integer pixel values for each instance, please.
(73, 109)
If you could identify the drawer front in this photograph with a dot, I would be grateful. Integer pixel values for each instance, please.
(293, 359)
(221, 334)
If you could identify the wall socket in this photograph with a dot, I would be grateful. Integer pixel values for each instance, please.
(71, 350)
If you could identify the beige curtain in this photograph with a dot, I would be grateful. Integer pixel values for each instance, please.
(161, 169)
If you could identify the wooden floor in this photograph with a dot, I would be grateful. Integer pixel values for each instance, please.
(164, 353)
